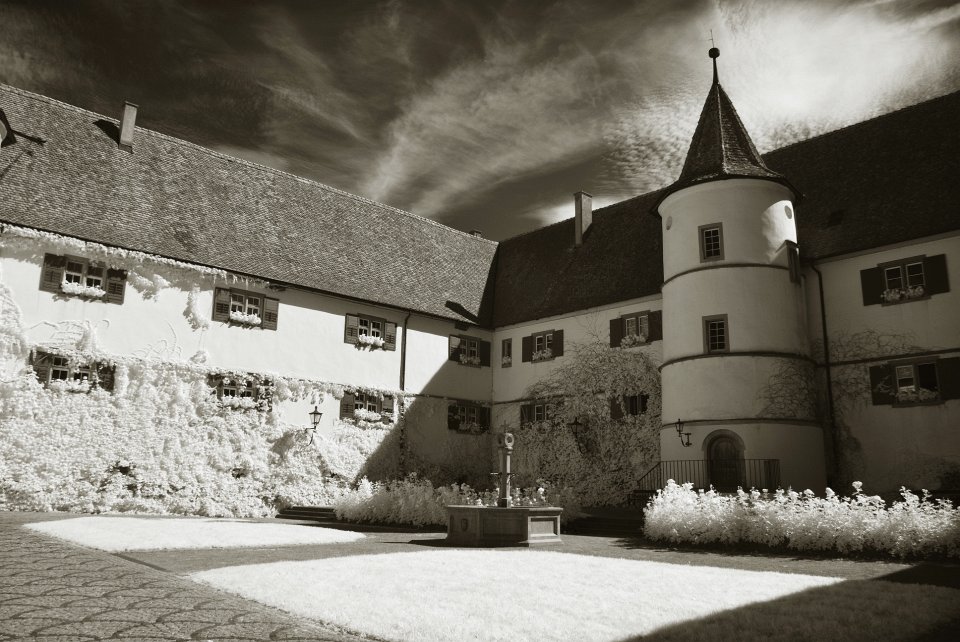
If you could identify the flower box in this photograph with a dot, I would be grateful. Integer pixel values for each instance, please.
(542, 355)
(468, 360)
(239, 403)
(632, 340)
(506, 361)
(368, 341)
(78, 289)
(70, 385)
(921, 395)
(367, 415)
(897, 295)
(245, 319)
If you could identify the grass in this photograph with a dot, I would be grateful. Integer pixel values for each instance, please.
(503, 594)
(116, 534)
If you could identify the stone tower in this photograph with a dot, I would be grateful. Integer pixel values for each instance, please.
(736, 369)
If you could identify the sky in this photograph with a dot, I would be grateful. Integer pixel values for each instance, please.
(480, 114)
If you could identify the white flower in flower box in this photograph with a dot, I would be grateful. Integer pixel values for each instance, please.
(370, 341)
(361, 414)
(506, 361)
(632, 340)
(92, 291)
(541, 355)
(468, 360)
(245, 319)
(70, 385)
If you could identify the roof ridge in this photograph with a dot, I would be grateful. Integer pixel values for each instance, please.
(212, 152)
(864, 122)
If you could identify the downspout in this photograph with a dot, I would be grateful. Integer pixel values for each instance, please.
(401, 424)
(826, 363)
(403, 353)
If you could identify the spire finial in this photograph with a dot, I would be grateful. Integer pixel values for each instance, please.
(714, 53)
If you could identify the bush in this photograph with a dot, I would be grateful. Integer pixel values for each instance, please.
(415, 501)
(915, 526)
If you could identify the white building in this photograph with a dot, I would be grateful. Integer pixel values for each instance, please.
(126, 253)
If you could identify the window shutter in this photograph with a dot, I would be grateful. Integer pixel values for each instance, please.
(453, 421)
(346, 406)
(41, 365)
(484, 416)
(643, 402)
(526, 413)
(557, 348)
(655, 320)
(51, 275)
(616, 332)
(271, 313)
(526, 349)
(351, 331)
(882, 384)
(454, 347)
(484, 353)
(616, 408)
(115, 285)
(105, 376)
(221, 304)
(386, 408)
(872, 286)
(390, 336)
(935, 274)
(948, 373)
(214, 382)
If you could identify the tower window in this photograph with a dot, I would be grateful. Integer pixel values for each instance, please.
(711, 242)
(715, 336)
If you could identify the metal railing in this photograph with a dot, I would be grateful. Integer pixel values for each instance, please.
(725, 475)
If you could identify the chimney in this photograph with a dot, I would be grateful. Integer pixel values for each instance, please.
(583, 205)
(126, 126)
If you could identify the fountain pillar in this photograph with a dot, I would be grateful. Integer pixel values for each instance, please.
(505, 442)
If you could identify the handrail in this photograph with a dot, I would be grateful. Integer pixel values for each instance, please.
(724, 475)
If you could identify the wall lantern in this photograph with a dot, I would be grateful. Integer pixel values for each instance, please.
(579, 430)
(684, 436)
(315, 421)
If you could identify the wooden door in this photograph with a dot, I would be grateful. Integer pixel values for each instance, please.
(726, 464)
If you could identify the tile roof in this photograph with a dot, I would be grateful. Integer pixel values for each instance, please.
(721, 147)
(889, 179)
(179, 200)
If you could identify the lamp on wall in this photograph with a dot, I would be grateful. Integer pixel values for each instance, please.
(315, 421)
(579, 430)
(684, 436)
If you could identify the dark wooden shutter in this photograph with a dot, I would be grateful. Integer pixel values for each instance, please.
(221, 304)
(526, 349)
(948, 374)
(346, 406)
(882, 376)
(616, 332)
(557, 348)
(616, 408)
(41, 365)
(386, 408)
(655, 323)
(271, 313)
(872, 286)
(51, 275)
(526, 413)
(935, 274)
(484, 353)
(643, 402)
(105, 376)
(453, 421)
(484, 417)
(390, 336)
(116, 286)
(351, 330)
(455, 347)
(214, 382)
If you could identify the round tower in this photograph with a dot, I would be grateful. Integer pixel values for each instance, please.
(736, 371)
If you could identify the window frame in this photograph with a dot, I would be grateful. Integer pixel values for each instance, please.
(467, 413)
(468, 351)
(506, 353)
(902, 268)
(707, 320)
(641, 318)
(73, 371)
(701, 230)
(914, 365)
(546, 336)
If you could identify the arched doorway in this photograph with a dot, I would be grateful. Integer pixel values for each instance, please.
(725, 463)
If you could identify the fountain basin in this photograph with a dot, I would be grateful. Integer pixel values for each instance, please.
(495, 526)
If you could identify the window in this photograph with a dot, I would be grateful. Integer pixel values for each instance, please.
(370, 332)
(242, 392)
(715, 336)
(469, 351)
(56, 371)
(627, 405)
(910, 279)
(636, 328)
(75, 276)
(540, 411)
(542, 346)
(366, 406)
(466, 416)
(711, 242)
(506, 353)
(246, 309)
(910, 382)
(793, 261)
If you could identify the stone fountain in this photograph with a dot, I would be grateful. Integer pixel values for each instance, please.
(503, 524)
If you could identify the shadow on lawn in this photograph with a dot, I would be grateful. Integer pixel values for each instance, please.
(851, 610)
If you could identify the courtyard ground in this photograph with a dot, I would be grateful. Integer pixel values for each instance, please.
(51, 589)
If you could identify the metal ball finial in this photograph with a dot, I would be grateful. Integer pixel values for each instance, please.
(714, 52)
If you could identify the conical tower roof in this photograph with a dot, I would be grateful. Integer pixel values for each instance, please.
(721, 147)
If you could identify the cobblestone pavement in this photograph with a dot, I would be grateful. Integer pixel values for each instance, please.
(53, 590)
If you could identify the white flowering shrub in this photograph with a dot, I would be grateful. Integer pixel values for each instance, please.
(915, 526)
(414, 500)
